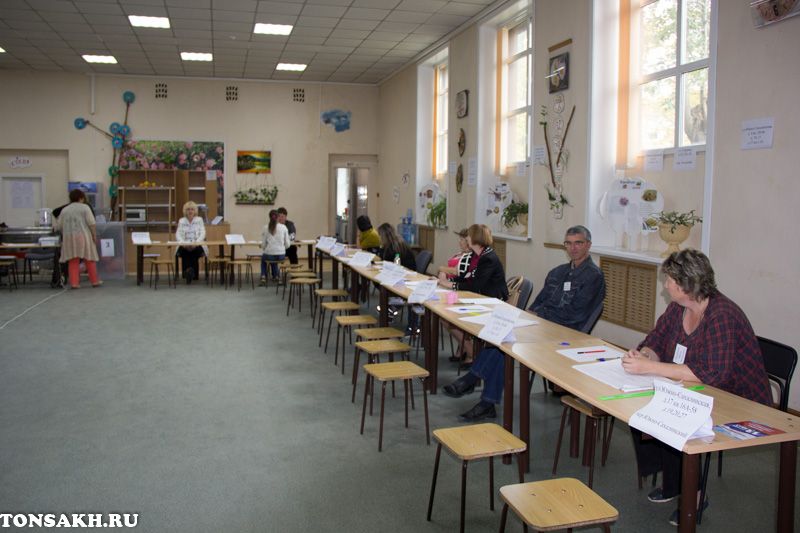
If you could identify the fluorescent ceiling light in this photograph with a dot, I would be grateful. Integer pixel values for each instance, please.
(99, 59)
(149, 22)
(195, 56)
(2, 51)
(291, 66)
(273, 29)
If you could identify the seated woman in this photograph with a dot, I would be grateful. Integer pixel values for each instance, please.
(702, 336)
(274, 242)
(191, 229)
(392, 244)
(368, 238)
(459, 263)
(484, 276)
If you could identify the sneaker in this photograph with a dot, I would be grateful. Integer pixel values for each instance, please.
(675, 517)
(657, 496)
(262, 282)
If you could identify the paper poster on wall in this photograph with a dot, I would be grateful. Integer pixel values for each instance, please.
(340, 120)
(685, 158)
(757, 134)
(654, 160)
(539, 155)
(472, 177)
(22, 194)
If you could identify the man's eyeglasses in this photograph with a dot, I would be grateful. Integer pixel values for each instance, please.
(573, 244)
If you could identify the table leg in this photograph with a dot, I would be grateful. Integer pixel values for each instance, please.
(525, 416)
(55, 281)
(786, 486)
(383, 315)
(139, 265)
(433, 348)
(335, 270)
(354, 286)
(508, 399)
(311, 257)
(688, 505)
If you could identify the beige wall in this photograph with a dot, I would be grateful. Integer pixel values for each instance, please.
(43, 107)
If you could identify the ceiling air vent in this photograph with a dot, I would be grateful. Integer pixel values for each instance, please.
(161, 90)
(231, 93)
(299, 95)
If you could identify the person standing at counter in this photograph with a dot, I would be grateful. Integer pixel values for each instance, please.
(291, 251)
(191, 229)
(78, 237)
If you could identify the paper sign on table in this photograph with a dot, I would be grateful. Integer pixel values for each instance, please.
(326, 243)
(234, 238)
(481, 301)
(591, 353)
(390, 278)
(484, 319)
(426, 290)
(361, 259)
(140, 237)
(338, 249)
(675, 415)
(501, 326)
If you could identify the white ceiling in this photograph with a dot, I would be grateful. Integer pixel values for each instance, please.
(353, 41)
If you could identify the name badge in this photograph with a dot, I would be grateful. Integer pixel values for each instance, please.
(680, 354)
(567, 285)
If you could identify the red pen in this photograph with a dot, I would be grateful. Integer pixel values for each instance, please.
(593, 351)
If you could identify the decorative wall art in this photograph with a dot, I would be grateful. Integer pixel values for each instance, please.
(340, 120)
(558, 77)
(462, 104)
(459, 178)
(766, 12)
(254, 162)
(462, 142)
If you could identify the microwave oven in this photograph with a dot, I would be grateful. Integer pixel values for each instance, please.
(135, 215)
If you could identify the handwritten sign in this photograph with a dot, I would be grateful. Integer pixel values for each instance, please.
(338, 249)
(675, 415)
(390, 278)
(426, 290)
(653, 160)
(685, 158)
(501, 325)
(757, 134)
(326, 243)
(361, 259)
(140, 237)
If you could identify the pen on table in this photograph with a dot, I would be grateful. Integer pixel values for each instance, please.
(608, 358)
(592, 351)
(637, 394)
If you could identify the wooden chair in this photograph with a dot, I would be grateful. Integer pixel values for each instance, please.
(154, 265)
(386, 372)
(10, 263)
(296, 292)
(334, 307)
(239, 264)
(475, 442)
(555, 504)
(294, 274)
(575, 407)
(344, 325)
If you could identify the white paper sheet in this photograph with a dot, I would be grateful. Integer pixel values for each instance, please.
(611, 373)
(140, 237)
(484, 319)
(234, 238)
(469, 309)
(591, 353)
(361, 259)
(426, 290)
(389, 278)
(500, 327)
(481, 301)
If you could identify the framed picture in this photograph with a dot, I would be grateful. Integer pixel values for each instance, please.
(256, 162)
(558, 76)
(462, 104)
(766, 12)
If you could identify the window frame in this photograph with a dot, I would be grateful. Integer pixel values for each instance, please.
(441, 108)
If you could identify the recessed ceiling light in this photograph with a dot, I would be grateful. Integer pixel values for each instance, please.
(195, 56)
(2, 51)
(291, 66)
(99, 59)
(273, 29)
(149, 22)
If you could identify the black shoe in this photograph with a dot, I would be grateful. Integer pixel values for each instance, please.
(478, 413)
(657, 496)
(456, 359)
(189, 275)
(466, 366)
(675, 517)
(458, 388)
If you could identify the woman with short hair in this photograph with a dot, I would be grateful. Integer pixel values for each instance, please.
(191, 229)
(78, 238)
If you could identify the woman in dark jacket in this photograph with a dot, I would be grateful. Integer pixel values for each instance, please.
(484, 276)
(392, 244)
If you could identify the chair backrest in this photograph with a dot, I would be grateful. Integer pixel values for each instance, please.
(780, 361)
(423, 260)
(593, 318)
(519, 291)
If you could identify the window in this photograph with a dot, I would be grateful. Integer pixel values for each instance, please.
(441, 93)
(514, 127)
(674, 37)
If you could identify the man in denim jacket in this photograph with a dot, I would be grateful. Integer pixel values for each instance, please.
(570, 293)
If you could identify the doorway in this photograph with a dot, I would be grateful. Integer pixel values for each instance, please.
(351, 184)
(22, 196)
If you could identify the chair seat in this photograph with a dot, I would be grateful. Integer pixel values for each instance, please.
(383, 346)
(356, 320)
(331, 293)
(556, 504)
(480, 440)
(371, 334)
(341, 306)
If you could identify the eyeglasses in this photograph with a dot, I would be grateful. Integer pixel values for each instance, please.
(573, 244)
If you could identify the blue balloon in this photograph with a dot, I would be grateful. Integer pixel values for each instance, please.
(80, 123)
(128, 97)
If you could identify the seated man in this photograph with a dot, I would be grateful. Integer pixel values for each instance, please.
(291, 251)
(570, 293)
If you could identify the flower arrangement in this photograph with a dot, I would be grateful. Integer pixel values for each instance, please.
(512, 212)
(437, 216)
(183, 155)
(264, 195)
(674, 219)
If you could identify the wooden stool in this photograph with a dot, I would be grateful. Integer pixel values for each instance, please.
(556, 504)
(385, 372)
(10, 262)
(295, 273)
(320, 294)
(374, 349)
(593, 416)
(345, 323)
(248, 270)
(217, 264)
(475, 442)
(296, 286)
(154, 264)
(334, 307)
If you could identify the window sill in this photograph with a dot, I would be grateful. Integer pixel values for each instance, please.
(650, 257)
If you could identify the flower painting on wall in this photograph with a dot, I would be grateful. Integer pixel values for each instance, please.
(181, 155)
(254, 162)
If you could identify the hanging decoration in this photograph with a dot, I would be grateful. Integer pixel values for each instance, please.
(555, 196)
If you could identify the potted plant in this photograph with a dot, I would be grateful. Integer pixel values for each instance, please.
(264, 195)
(515, 213)
(437, 216)
(674, 228)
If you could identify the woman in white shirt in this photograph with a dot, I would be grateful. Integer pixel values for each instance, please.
(191, 229)
(274, 242)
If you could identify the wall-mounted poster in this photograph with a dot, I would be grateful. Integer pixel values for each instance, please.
(254, 162)
(559, 73)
